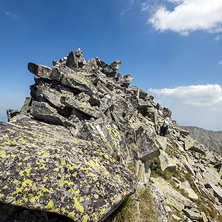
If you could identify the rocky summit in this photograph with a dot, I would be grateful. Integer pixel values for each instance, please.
(85, 146)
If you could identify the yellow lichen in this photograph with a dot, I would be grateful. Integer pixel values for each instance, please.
(50, 205)
(86, 218)
(78, 206)
(96, 196)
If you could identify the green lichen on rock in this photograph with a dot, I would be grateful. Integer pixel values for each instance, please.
(44, 168)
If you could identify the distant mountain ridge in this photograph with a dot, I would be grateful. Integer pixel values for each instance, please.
(211, 139)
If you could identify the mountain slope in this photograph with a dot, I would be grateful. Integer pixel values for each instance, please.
(210, 139)
(85, 147)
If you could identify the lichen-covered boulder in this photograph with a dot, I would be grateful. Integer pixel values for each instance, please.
(173, 197)
(43, 167)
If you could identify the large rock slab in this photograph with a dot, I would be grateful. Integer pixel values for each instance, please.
(84, 107)
(210, 175)
(186, 186)
(148, 148)
(166, 162)
(106, 134)
(162, 141)
(173, 197)
(43, 111)
(42, 167)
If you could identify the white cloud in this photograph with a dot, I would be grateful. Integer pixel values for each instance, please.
(220, 62)
(196, 95)
(218, 38)
(196, 105)
(188, 15)
(127, 7)
(145, 7)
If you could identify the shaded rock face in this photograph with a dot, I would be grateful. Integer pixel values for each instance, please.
(67, 155)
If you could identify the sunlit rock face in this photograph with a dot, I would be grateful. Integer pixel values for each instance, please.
(85, 140)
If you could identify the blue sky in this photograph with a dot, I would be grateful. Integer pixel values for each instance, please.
(172, 48)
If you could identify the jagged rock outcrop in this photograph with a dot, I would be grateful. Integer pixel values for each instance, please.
(72, 146)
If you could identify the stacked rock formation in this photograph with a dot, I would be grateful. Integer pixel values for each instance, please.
(72, 146)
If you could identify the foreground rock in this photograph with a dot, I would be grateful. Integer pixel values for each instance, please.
(44, 168)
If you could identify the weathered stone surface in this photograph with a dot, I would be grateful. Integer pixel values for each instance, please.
(42, 111)
(187, 165)
(166, 162)
(211, 175)
(125, 80)
(76, 80)
(27, 106)
(12, 113)
(176, 218)
(49, 94)
(44, 168)
(40, 70)
(81, 106)
(186, 186)
(75, 60)
(189, 143)
(194, 215)
(115, 65)
(162, 141)
(106, 134)
(167, 112)
(91, 65)
(173, 197)
(217, 191)
(184, 133)
(147, 146)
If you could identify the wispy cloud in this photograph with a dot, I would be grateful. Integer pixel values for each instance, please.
(220, 62)
(196, 95)
(14, 16)
(127, 7)
(188, 16)
(218, 38)
(195, 105)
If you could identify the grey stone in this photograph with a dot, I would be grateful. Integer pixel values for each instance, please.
(43, 111)
(12, 113)
(217, 191)
(166, 162)
(186, 186)
(125, 80)
(147, 146)
(175, 217)
(162, 141)
(51, 95)
(77, 80)
(115, 65)
(27, 106)
(184, 133)
(40, 70)
(194, 215)
(172, 197)
(91, 65)
(81, 106)
(75, 60)
(210, 175)
(167, 112)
